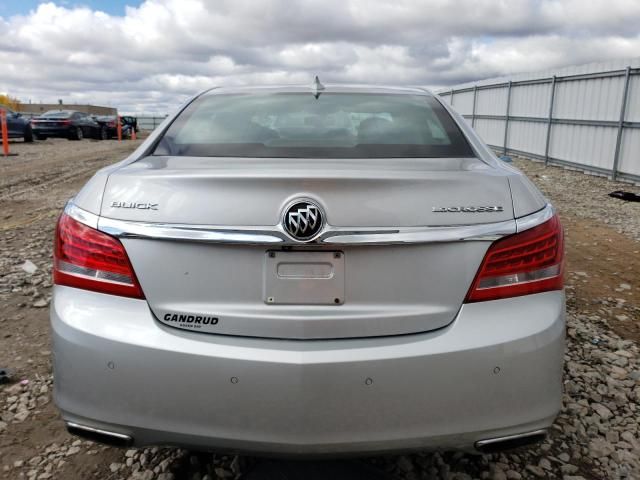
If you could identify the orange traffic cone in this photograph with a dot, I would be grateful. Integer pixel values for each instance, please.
(118, 128)
(5, 132)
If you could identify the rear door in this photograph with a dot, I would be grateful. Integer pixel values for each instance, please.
(15, 126)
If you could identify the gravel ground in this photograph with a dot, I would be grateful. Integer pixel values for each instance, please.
(596, 436)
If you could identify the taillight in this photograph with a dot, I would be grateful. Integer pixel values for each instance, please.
(88, 259)
(521, 264)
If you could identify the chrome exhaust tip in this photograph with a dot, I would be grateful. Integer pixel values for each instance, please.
(499, 444)
(98, 435)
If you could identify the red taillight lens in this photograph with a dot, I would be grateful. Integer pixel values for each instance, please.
(521, 264)
(88, 259)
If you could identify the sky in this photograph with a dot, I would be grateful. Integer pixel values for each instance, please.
(9, 8)
(151, 55)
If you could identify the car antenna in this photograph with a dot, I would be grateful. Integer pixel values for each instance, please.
(317, 86)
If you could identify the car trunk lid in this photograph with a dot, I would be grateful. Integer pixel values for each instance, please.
(315, 290)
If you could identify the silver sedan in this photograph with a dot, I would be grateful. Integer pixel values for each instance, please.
(310, 270)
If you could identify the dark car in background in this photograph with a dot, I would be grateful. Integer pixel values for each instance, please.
(108, 123)
(67, 124)
(17, 125)
(128, 123)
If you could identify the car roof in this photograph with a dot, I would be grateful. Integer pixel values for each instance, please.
(60, 111)
(324, 88)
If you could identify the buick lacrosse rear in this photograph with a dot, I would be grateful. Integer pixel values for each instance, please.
(310, 270)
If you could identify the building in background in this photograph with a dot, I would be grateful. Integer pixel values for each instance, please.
(33, 109)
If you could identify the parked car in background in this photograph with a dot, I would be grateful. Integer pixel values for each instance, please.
(128, 125)
(108, 122)
(67, 124)
(17, 125)
(130, 122)
(294, 270)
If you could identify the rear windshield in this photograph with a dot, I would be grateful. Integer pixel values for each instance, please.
(56, 114)
(333, 125)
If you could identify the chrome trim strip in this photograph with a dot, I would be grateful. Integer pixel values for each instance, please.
(408, 235)
(193, 233)
(535, 219)
(87, 218)
(333, 236)
(99, 431)
(491, 441)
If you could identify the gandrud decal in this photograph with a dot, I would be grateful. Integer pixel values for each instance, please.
(195, 319)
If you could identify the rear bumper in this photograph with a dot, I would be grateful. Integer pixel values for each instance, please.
(493, 372)
(53, 132)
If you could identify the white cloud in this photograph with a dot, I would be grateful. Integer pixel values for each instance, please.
(161, 52)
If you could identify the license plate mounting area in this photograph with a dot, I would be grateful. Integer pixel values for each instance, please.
(304, 278)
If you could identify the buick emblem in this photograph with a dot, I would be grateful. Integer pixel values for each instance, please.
(303, 219)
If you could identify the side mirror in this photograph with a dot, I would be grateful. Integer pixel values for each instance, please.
(18, 114)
